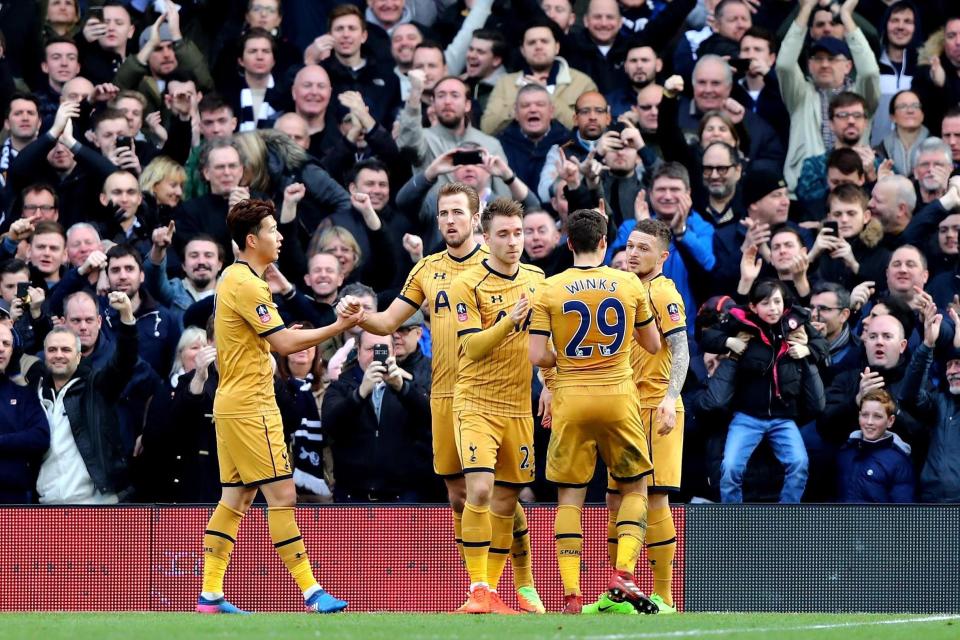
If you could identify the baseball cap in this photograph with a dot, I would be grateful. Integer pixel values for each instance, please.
(415, 320)
(756, 185)
(833, 46)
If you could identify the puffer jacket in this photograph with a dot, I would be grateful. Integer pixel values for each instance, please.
(878, 472)
(769, 383)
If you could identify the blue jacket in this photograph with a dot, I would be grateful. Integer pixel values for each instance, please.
(879, 471)
(527, 157)
(693, 253)
(24, 437)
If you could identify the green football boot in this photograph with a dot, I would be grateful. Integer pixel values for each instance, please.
(662, 607)
(605, 605)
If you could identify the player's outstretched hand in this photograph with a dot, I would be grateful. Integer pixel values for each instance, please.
(520, 309)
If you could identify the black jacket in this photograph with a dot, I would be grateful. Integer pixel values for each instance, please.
(90, 406)
(769, 383)
(24, 437)
(392, 455)
(375, 81)
(525, 156)
(940, 476)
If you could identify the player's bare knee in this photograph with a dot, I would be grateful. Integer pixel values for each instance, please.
(456, 493)
(613, 501)
(658, 499)
(479, 490)
(280, 494)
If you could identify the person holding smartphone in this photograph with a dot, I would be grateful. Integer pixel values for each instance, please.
(379, 424)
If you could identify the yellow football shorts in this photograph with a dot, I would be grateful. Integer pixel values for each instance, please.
(251, 450)
(587, 421)
(498, 444)
(666, 453)
(446, 459)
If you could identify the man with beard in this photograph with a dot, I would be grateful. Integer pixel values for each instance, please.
(162, 51)
(591, 118)
(849, 122)
(721, 175)
(541, 243)
(831, 63)
(458, 207)
(640, 67)
(202, 261)
(940, 476)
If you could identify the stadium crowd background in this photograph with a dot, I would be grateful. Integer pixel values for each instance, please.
(809, 142)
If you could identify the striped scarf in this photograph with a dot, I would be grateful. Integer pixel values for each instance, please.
(249, 119)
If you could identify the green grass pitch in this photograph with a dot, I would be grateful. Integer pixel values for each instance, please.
(390, 626)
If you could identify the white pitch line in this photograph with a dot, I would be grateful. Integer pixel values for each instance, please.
(810, 627)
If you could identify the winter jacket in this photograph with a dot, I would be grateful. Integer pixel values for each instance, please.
(375, 81)
(24, 437)
(90, 404)
(803, 99)
(877, 472)
(940, 476)
(873, 259)
(133, 75)
(568, 85)
(370, 456)
(769, 383)
(936, 100)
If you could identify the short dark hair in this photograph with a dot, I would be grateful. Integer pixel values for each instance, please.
(180, 75)
(845, 160)
(13, 265)
(658, 229)
(849, 193)
(544, 23)
(253, 34)
(22, 95)
(952, 112)
(206, 237)
(786, 228)
(245, 218)
(498, 43)
(58, 40)
(106, 114)
(213, 102)
(122, 251)
(358, 289)
(846, 99)
(370, 164)
(343, 10)
(585, 228)
(48, 226)
(505, 207)
(843, 295)
(430, 44)
(766, 287)
(38, 187)
(763, 34)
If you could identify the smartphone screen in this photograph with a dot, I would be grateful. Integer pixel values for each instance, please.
(467, 157)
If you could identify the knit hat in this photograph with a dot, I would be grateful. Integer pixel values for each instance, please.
(756, 185)
(165, 35)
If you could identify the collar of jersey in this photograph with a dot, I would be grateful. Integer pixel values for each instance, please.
(247, 265)
(466, 257)
(498, 274)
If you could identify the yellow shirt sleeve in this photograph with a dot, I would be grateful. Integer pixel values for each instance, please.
(413, 291)
(643, 313)
(668, 306)
(255, 305)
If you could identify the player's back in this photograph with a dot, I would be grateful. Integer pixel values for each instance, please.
(243, 316)
(591, 314)
(430, 280)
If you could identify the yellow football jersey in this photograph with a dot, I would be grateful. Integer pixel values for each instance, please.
(500, 383)
(244, 314)
(591, 314)
(651, 371)
(431, 279)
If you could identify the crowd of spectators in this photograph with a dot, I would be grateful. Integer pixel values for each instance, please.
(805, 155)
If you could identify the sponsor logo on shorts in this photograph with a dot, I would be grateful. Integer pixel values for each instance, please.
(461, 312)
(673, 310)
(263, 313)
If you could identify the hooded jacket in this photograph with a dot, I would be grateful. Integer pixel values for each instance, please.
(769, 383)
(878, 472)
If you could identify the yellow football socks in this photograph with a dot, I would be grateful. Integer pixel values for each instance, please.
(458, 532)
(612, 537)
(631, 523)
(501, 538)
(661, 549)
(218, 540)
(520, 550)
(568, 532)
(476, 531)
(289, 545)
